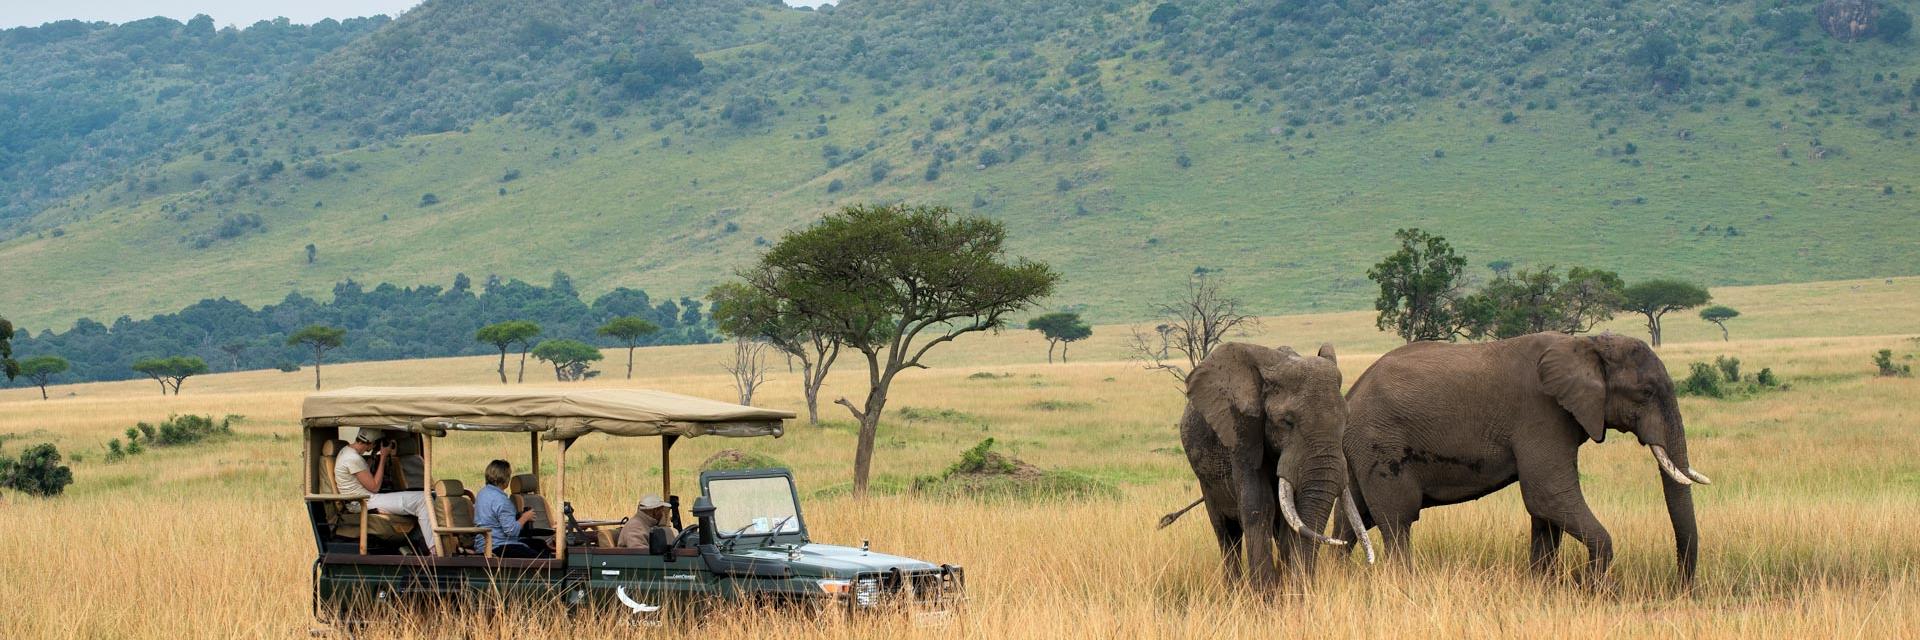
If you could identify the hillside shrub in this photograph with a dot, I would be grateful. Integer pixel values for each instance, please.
(984, 474)
(37, 472)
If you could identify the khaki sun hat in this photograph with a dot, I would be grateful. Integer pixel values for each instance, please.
(652, 501)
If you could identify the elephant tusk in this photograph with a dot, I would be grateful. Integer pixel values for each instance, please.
(1292, 515)
(1667, 466)
(1698, 477)
(1359, 526)
(635, 605)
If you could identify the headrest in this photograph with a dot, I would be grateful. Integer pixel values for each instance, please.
(407, 445)
(524, 483)
(332, 448)
(446, 488)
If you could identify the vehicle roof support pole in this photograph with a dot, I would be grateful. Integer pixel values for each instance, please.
(433, 497)
(666, 465)
(560, 492)
(533, 442)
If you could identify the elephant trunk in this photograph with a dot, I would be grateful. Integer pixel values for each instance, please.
(1321, 484)
(1676, 480)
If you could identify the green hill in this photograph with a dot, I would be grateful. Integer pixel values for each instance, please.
(1130, 144)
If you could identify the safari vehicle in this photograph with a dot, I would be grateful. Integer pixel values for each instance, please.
(749, 540)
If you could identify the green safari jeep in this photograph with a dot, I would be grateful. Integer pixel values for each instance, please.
(748, 540)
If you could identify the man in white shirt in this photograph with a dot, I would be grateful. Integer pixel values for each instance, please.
(352, 476)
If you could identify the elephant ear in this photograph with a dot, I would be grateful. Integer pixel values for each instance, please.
(1570, 372)
(1224, 391)
(1326, 351)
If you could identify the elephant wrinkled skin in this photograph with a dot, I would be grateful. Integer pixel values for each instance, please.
(1262, 429)
(1434, 424)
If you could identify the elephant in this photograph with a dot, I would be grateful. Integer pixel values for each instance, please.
(1434, 423)
(1262, 429)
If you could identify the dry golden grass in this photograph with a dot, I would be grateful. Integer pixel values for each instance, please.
(1807, 529)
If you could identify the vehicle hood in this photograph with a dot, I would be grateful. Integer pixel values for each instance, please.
(826, 560)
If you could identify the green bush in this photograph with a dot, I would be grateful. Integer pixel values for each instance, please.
(1702, 381)
(1730, 367)
(1765, 378)
(734, 459)
(1884, 362)
(37, 472)
(183, 430)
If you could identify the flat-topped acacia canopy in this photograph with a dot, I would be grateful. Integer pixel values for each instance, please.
(557, 414)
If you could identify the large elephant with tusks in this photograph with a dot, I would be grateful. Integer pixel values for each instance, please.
(1433, 423)
(1262, 429)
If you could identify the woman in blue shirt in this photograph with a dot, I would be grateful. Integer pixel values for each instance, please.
(493, 509)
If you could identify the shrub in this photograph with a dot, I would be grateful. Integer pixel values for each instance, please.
(732, 459)
(37, 472)
(1702, 381)
(1730, 367)
(836, 186)
(428, 200)
(1884, 362)
(879, 170)
(1766, 378)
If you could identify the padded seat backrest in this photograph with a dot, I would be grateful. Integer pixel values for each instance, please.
(453, 507)
(329, 454)
(526, 495)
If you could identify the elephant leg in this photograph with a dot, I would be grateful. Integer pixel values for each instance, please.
(1394, 505)
(1550, 486)
(1254, 479)
(1545, 547)
(1227, 532)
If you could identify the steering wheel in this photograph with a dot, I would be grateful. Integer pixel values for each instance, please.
(689, 538)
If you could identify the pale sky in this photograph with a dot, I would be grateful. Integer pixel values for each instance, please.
(16, 13)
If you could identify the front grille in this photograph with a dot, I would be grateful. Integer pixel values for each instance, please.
(931, 588)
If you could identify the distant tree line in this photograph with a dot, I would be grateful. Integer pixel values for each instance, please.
(386, 322)
(1425, 295)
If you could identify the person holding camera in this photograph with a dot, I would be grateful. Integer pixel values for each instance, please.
(353, 476)
(493, 509)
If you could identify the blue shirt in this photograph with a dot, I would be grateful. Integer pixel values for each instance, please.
(494, 510)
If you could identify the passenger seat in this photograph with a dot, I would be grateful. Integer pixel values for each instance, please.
(453, 519)
(345, 516)
(526, 494)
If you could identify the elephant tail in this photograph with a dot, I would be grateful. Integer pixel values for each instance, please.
(1171, 517)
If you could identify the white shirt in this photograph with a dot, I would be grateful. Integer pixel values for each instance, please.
(345, 465)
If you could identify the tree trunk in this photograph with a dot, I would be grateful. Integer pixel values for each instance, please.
(811, 389)
(316, 368)
(1723, 332)
(43, 391)
(503, 365)
(1653, 328)
(629, 362)
(869, 431)
(1049, 352)
(521, 377)
(1063, 351)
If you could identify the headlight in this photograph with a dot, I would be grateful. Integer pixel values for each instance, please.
(835, 587)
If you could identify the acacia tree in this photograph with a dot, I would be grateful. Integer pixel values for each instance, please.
(320, 338)
(41, 369)
(893, 282)
(748, 368)
(503, 335)
(629, 330)
(1200, 320)
(1658, 297)
(1061, 328)
(1422, 289)
(7, 366)
(740, 310)
(1719, 314)
(155, 368)
(570, 358)
(179, 368)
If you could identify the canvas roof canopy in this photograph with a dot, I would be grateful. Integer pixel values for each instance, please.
(559, 414)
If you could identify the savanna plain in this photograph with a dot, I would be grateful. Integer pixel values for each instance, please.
(1807, 530)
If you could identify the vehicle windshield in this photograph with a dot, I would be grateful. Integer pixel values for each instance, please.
(748, 506)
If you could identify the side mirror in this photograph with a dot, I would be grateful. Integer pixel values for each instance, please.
(703, 513)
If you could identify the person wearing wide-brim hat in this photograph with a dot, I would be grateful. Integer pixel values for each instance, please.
(652, 513)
